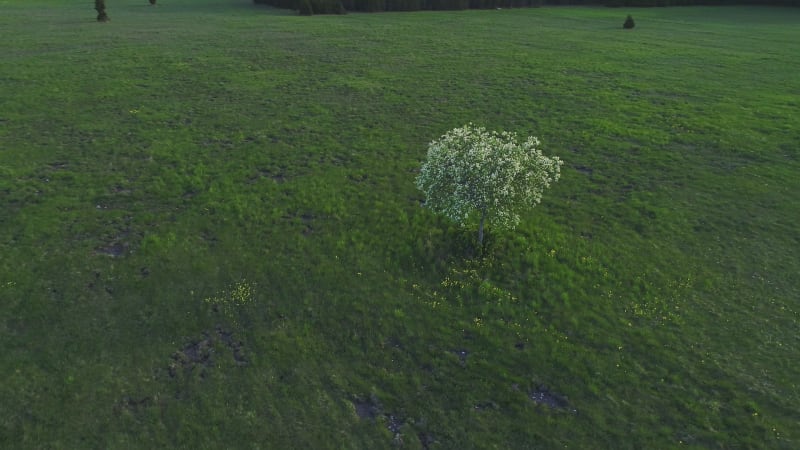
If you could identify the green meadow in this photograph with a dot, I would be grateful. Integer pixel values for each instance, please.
(210, 235)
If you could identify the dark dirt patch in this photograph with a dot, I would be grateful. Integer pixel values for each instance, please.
(94, 281)
(366, 408)
(114, 249)
(198, 354)
(116, 241)
(358, 178)
(544, 396)
(195, 354)
(584, 170)
(306, 221)
(462, 355)
(221, 144)
(210, 238)
(121, 190)
(393, 342)
(235, 346)
(15, 327)
(132, 404)
(393, 423)
(278, 176)
(426, 440)
(486, 406)
(370, 409)
(338, 161)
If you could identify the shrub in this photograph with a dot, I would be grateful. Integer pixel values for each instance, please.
(100, 7)
(628, 23)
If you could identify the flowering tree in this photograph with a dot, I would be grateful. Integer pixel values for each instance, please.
(471, 173)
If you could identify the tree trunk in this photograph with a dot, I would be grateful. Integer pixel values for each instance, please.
(480, 228)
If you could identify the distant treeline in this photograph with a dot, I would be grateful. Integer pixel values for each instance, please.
(342, 6)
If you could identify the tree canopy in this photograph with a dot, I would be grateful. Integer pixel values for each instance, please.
(474, 174)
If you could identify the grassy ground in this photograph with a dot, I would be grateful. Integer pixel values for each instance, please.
(211, 238)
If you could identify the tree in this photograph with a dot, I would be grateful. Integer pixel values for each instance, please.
(305, 8)
(473, 174)
(629, 23)
(100, 7)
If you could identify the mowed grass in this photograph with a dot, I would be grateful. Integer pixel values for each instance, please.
(197, 149)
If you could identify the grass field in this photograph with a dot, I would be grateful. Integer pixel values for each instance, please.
(210, 235)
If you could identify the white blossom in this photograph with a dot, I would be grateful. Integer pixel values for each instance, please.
(470, 170)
